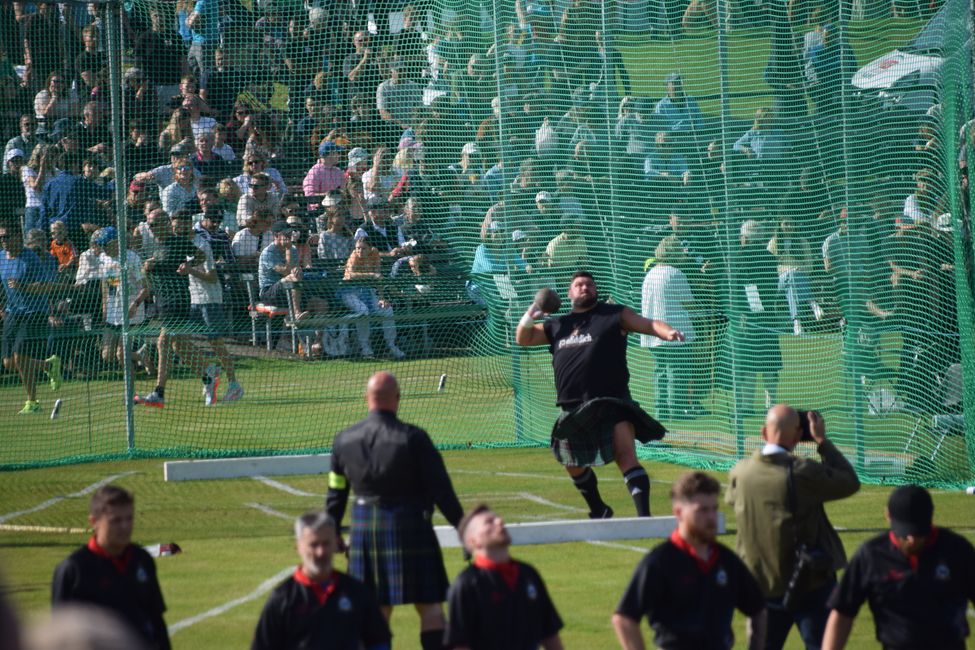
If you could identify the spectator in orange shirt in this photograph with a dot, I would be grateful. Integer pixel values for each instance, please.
(63, 249)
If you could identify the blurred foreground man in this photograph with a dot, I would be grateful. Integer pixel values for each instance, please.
(689, 586)
(784, 536)
(498, 603)
(112, 572)
(318, 607)
(918, 579)
(397, 476)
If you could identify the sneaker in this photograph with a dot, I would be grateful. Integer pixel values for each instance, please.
(234, 392)
(54, 371)
(210, 389)
(607, 513)
(152, 399)
(30, 406)
(395, 352)
(367, 353)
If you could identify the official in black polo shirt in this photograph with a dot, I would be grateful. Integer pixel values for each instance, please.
(111, 572)
(318, 607)
(397, 476)
(498, 603)
(689, 586)
(918, 579)
(599, 422)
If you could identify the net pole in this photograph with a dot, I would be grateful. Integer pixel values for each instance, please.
(965, 229)
(517, 380)
(118, 160)
(852, 337)
(726, 219)
(957, 82)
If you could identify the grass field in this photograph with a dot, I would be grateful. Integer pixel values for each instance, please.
(235, 534)
(236, 538)
(297, 406)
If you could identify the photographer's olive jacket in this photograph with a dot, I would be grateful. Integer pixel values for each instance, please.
(767, 530)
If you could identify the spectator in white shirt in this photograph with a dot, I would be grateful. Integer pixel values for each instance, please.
(666, 296)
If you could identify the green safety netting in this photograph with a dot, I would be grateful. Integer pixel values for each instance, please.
(785, 180)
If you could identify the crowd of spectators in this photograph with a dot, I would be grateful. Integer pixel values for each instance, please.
(456, 155)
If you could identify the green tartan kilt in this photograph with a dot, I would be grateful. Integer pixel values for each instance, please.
(583, 436)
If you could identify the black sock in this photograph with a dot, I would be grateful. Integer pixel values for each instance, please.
(587, 485)
(161, 391)
(431, 640)
(638, 483)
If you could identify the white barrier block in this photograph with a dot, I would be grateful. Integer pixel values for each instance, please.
(200, 470)
(583, 530)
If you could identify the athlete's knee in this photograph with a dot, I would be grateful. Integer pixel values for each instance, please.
(431, 615)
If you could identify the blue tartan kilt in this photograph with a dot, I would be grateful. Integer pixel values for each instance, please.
(394, 549)
(583, 437)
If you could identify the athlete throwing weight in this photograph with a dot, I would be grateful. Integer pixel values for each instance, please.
(599, 422)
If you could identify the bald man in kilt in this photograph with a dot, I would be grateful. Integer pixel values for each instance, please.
(599, 422)
(397, 476)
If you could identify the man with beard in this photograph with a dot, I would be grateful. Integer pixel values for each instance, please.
(599, 422)
(317, 606)
(689, 586)
(498, 602)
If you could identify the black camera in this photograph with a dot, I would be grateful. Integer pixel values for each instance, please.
(807, 560)
(804, 426)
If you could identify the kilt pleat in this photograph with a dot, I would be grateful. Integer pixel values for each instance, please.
(394, 549)
(583, 436)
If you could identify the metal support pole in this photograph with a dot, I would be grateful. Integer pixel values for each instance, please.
(113, 20)
(729, 234)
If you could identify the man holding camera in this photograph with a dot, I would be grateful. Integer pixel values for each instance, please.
(784, 535)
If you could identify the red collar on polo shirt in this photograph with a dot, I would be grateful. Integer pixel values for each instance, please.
(120, 562)
(322, 590)
(928, 542)
(704, 565)
(508, 570)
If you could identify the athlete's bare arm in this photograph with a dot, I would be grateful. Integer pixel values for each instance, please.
(528, 331)
(633, 322)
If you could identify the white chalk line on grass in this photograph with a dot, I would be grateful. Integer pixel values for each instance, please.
(479, 472)
(284, 487)
(544, 477)
(534, 498)
(269, 511)
(219, 610)
(625, 547)
(50, 502)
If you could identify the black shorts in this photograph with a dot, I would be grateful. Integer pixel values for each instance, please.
(174, 316)
(25, 335)
(584, 436)
(210, 319)
(273, 294)
(394, 550)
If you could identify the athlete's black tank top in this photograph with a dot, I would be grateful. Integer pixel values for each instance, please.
(588, 355)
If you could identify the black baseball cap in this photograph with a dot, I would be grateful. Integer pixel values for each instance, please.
(281, 226)
(911, 510)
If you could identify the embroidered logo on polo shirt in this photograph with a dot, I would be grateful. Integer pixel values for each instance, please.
(531, 592)
(942, 572)
(345, 605)
(140, 575)
(721, 578)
